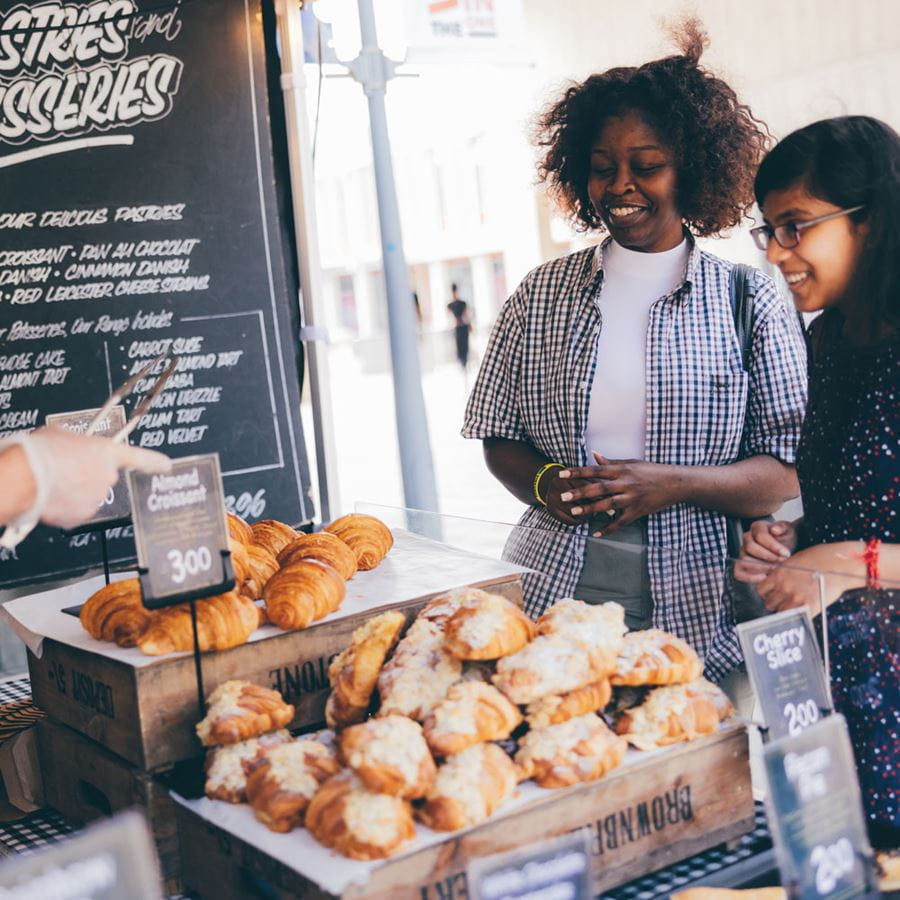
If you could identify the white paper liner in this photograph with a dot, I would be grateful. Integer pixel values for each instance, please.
(334, 873)
(415, 567)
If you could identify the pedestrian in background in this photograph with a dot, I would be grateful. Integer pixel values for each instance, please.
(462, 326)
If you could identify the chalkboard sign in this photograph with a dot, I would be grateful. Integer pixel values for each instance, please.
(138, 215)
(180, 532)
(815, 813)
(107, 861)
(785, 670)
(117, 504)
(556, 868)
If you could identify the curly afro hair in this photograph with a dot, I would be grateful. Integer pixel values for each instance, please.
(716, 140)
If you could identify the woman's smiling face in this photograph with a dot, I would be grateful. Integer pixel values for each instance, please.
(632, 184)
(819, 269)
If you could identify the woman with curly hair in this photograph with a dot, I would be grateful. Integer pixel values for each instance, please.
(613, 398)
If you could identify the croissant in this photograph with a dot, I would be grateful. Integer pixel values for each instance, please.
(273, 535)
(581, 749)
(419, 674)
(301, 593)
(390, 756)
(239, 529)
(441, 608)
(357, 822)
(656, 657)
(262, 566)
(472, 712)
(674, 713)
(223, 621)
(240, 562)
(469, 787)
(369, 538)
(324, 547)
(339, 714)
(116, 613)
(601, 627)
(486, 626)
(283, 781)
(226, 767)
(238, 710)
(556, 708)
(353, 673)
(550, 664)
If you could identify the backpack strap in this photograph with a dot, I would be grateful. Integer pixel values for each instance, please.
(742, 290)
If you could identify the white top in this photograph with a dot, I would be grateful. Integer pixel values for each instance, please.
(632, 283)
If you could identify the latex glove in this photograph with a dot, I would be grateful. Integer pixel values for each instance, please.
(73, 472)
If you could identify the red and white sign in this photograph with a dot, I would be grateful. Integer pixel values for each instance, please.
(489, 31)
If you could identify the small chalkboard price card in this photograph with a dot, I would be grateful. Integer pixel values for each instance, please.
(557, 868)
(117, 506)
(107, 861)
(786, 671)
(180, 532)
(815, 814)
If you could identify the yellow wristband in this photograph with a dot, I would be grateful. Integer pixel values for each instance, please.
(537, 480)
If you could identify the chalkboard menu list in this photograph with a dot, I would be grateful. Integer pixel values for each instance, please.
(138, 216)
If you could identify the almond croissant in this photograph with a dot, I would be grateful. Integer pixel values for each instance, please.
(116, 613)
(369, 538)
(324, 547)
(239, 710)
(223, 621)
(302, 592)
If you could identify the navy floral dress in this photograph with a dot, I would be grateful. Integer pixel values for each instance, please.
(849, 468)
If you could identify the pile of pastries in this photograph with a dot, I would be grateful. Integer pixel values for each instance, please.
(440, 724)
(282, 576)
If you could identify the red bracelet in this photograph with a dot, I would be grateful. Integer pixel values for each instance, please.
(870, 558)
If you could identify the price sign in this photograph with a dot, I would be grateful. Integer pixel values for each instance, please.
(786, 671)
(558, 869)
(104, 862)
(180, 532)
(815, 813)
(116, 506)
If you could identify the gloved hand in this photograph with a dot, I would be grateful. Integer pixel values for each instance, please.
(73, 472)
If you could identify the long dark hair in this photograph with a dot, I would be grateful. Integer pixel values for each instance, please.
(849, 161)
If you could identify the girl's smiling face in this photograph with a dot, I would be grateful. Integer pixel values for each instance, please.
(632, 185)
(819, 269)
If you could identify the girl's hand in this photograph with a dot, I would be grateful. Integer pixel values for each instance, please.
(626, 489)
(769, 543)
(840, 564)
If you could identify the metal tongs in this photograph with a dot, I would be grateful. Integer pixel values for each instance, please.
(19, 529)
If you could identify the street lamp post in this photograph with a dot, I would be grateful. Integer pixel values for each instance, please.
(373, 70)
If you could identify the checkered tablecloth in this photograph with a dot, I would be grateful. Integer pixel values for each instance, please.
(33, 832)
(15, 687)
(46, 826)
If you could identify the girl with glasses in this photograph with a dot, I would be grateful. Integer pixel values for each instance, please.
(830, 195)
(613, 398)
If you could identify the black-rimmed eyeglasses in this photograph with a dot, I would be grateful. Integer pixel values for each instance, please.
(788, 235)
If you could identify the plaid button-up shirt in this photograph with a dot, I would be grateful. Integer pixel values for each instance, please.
(702, 409)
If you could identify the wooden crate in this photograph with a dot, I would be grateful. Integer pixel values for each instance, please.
(147, 715)
(646, 815)
(84, 781)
